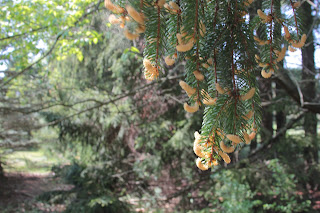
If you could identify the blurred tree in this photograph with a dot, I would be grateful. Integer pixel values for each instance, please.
(308, 87)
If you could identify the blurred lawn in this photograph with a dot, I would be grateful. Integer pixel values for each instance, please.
(34, 159)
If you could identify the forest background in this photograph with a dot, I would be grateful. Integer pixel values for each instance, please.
(72, 87)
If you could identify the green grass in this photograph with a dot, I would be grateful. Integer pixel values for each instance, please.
(34, 159)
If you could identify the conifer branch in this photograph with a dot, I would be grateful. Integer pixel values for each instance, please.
(178, 26)
(228, 37)
(215, 68)
(235, 95)
(271, 33)
(195, 35)
(158, 36)
(295, 17)
(215, 14)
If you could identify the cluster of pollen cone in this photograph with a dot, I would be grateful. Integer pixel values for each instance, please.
(216, 146)
(276, 55)
(207, 148)
(128, 14)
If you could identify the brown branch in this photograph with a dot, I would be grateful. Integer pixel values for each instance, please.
(63, 104)
(233, 70)
(158, 36)
(178, 29)
(215, 69)
(215, 14)
(268, 143)
(283, 79)
(295, 17)
(271, 49)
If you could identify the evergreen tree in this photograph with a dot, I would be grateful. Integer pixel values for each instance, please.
(216, 41)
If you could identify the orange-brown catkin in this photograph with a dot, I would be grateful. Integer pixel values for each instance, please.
(207, 100)
(138, 17)
(225, 157)
(113, 19)
(130, 36)
(246, 137)
(169, 61)
(191, 109)
(234, 138)
(225, 148)
(189, 90)
(287, 35)
(200, 165)
(220, 89)
(252, 135)
(248, 115)
(281, 54)
(266, 74)
(174, 5)
(112, 7)
(185, 47)
(161, 3)
(198, 75)
(151, 72)
(301, 42)
(291, 49)
(248, 95)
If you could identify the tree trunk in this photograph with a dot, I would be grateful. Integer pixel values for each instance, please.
(267, 116)
(309, 90)
(308, 85)
(1, 171)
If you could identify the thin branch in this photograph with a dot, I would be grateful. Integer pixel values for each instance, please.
(268, 143)
(25, 33)
(300, 92)
(64, 105)
(96, 106)
(36, 62)
(52, 47)
(312, 4)
(283, 79)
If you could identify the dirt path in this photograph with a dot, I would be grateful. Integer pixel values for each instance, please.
(19, 190)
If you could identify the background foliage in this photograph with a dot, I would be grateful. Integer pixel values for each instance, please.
(71, 80)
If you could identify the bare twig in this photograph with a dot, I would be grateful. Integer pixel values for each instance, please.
(282, 78)
(98, 105)
(25, 33)
(32, 64)
(268, 143)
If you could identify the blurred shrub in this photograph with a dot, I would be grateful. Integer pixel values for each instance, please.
(262, 187)
(96, 189)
